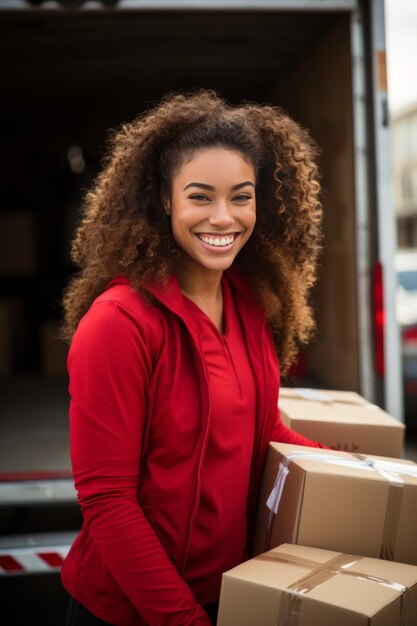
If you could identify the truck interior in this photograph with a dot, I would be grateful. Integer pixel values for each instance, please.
(71, 75)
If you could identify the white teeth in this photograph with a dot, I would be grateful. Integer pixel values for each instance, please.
(217, 241)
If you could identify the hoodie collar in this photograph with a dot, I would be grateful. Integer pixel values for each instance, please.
(169, 294)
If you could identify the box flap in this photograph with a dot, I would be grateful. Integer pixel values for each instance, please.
(335, 407)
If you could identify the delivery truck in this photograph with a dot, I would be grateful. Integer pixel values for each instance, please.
(71, 70)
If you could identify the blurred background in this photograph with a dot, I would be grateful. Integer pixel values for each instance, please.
(70, 71)
(401, 31)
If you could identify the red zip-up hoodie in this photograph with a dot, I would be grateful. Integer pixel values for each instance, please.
(138, 383)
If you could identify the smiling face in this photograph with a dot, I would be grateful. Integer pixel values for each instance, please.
(212, 208)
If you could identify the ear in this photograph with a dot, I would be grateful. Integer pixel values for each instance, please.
(166, 203)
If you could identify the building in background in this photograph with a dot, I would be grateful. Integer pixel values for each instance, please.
(404, 156)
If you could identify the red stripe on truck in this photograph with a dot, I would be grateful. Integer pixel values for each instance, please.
(44, 475)
(51, 558)
(9, 564)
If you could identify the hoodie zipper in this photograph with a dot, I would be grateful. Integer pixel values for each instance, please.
(256, 468)
(202, 456)
(232, 365)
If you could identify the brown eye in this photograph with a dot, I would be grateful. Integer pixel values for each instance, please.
(242, 197)
(199, 196)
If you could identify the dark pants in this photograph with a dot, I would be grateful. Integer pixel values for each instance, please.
(77, 615)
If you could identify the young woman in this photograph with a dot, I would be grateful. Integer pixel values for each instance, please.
(197, 249)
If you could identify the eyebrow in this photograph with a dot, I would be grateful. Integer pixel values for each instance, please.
(210, 188)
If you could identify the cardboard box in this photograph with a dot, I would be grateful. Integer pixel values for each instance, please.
(18, 247)
(337, 501)
(299, 586)
(13, 336)
(343, 420)
(54, 351)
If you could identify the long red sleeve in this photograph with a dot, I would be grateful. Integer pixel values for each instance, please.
(109, 369)
(283, 434)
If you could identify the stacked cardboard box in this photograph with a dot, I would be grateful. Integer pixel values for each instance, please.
(300, 586)
(360, 504)
(53, 351)
(18, 244)
(317, 508)
(343, 420)
(13, 336)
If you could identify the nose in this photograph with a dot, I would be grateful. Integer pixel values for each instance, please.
(221, 215)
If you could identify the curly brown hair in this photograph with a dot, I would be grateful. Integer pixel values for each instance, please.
(124, 229)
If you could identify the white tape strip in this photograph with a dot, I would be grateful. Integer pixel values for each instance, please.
(275, 496)
(313, 394)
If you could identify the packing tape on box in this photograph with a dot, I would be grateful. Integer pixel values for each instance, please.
(395, 495)
(289, 610)
(325, 397)
(389, 470)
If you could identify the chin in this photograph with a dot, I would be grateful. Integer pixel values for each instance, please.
(219, 268)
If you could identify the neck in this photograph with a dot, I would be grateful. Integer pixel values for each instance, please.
(200, 284)
(203, 286)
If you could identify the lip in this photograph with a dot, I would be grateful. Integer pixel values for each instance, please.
(218, 249)
(204, 234)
